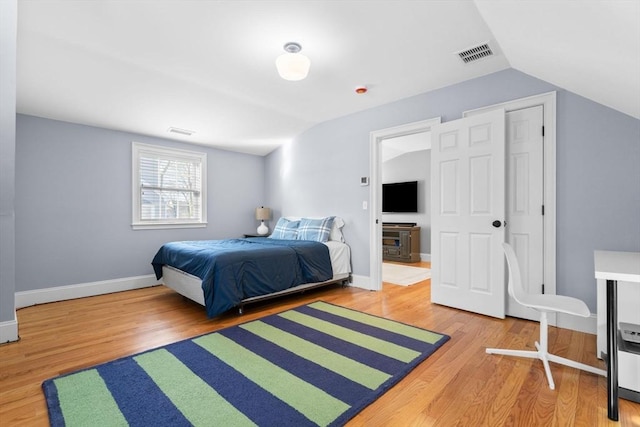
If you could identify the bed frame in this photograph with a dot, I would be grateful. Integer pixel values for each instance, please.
(190, 286)
(343, 279)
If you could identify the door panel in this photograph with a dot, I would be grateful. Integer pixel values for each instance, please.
(448, 249)
(480, 252)
(449, 200)
(525, 197)
(480, 185)
(468, 166)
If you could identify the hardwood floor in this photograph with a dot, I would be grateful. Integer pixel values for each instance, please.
(458, 385)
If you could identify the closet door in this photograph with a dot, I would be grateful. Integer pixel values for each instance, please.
(468, 213)
(525, 198)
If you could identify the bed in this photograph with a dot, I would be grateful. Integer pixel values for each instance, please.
(300, 254)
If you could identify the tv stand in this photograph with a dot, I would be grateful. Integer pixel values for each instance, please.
(400, 242)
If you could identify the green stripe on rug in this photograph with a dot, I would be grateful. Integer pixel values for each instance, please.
(378, 322)
(313, 403)
(349, 368)
(188, 391)
(98, 406)
(383, 347)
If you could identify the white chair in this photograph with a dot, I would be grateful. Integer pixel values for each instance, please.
(544, 304)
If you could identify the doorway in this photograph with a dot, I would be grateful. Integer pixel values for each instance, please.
(375, 193)
(406, 172)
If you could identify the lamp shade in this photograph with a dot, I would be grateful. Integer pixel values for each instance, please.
(263, 213)
(293, 65)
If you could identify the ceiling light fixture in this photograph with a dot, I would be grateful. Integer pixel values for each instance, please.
(292, 65)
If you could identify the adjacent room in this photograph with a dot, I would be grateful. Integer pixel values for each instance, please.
(407, 212)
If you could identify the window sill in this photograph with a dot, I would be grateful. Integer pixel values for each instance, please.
(161, 226)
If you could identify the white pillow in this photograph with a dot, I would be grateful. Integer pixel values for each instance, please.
(336, 230)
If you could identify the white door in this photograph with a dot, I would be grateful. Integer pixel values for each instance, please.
(525, 197)
(468, 213)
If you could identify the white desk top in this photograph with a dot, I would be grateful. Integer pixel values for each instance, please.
(622, 266)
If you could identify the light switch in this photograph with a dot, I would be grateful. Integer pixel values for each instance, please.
(364, 205)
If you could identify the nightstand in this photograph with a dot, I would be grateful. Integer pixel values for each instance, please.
(256, 235)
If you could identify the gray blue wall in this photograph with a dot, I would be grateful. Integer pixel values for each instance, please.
(598, 172)
(8, 38)
(73, 203)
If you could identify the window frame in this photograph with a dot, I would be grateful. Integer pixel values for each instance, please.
(137, 223)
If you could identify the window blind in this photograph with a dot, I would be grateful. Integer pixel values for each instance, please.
(168, 185)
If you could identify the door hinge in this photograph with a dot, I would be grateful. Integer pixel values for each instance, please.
(543, 289)
(542, 209)
(542, 130)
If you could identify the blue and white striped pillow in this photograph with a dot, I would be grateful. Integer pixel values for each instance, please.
(315, 229)
(285, 230)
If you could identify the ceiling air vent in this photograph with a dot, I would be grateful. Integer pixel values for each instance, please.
(181, 131)
(475, 53)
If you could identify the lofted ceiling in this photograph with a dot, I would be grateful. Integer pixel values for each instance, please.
(400, 145)
(145, 66)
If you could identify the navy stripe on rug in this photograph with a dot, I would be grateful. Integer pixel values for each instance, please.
(139, 400)
(245, 395)
(369, 357)
(393, 337)
(332, 383)
(318, 364)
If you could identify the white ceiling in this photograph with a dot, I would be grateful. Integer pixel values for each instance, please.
(400, 145)
(144, 66)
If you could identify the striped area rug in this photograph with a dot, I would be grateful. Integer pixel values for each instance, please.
(318, 364)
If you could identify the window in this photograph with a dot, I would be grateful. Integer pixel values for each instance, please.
(168, 187)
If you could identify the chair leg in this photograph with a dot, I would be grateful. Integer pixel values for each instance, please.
(573, 364)
(557, 359)
(543, 348)
(518, 353)
(530, 355)
(544, 357)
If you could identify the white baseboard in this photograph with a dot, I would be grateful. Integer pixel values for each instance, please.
(576, 323)
(360, 281)
(9, 330)
(425, 257)
(81, 290)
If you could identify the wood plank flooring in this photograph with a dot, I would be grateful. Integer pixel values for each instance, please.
(459, 385)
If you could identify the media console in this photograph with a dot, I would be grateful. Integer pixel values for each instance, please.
(400, 242)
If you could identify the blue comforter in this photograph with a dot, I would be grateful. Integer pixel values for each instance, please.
(234, 269)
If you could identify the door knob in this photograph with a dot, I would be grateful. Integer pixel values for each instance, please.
(496, 223)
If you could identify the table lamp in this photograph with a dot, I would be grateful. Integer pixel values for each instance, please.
(263, 214)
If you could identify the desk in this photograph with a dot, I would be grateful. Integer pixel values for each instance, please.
(613, 266)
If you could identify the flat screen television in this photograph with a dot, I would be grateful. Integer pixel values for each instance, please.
(400, 197)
